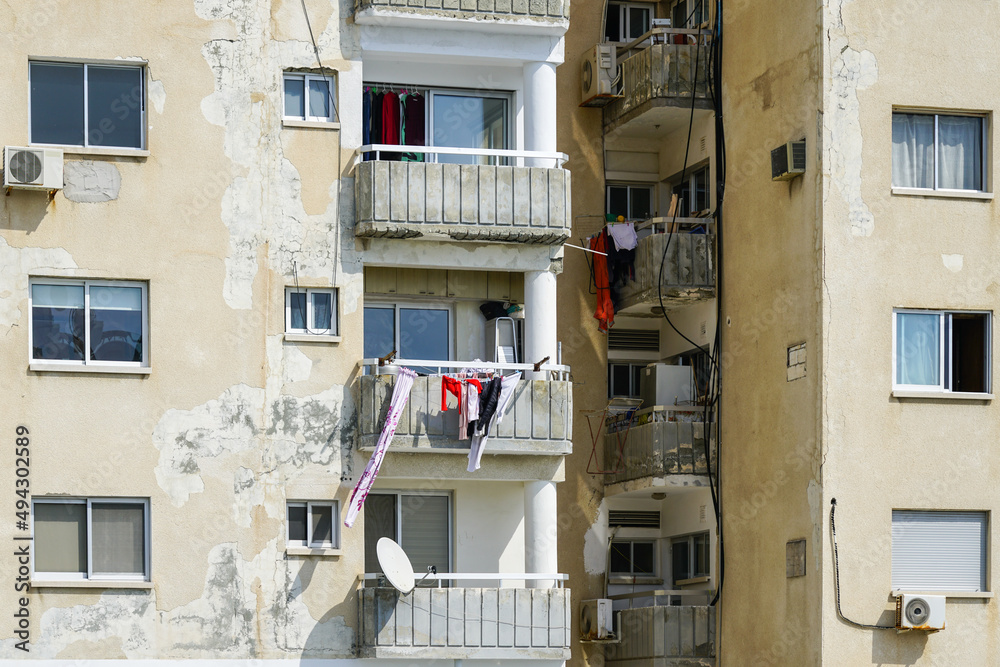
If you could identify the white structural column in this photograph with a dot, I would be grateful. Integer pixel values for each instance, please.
(539, 317)
(540, 531)
(540, 110)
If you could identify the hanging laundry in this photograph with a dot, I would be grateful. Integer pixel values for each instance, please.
(366, 121)
(624, 235)
(390, 123)
(414, 120)
(488, 404)
(375, 119)
(507, 387)
(605, 313)
(452, 385)
(400, 394)
(470, 413)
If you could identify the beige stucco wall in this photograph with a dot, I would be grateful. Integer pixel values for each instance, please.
(770, 456)
(884, 251)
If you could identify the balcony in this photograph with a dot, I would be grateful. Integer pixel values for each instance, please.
(536, 13)
(659, 77)
(538, 421)
(463, 202)
(672, 636)
(662, 442)
(465, 623)
(688, 275)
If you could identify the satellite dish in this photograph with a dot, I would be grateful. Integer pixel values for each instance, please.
(395, 565)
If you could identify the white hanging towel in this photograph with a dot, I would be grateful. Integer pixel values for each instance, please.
(624, 235)
(400, 394)
(507, 386)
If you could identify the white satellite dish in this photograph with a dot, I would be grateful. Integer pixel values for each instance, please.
(395, 565)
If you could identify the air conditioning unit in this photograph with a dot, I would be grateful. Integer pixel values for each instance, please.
(666, 384)
(919, 612)
(597, 76)
(788, 161)
(32, 168)
(595, 620)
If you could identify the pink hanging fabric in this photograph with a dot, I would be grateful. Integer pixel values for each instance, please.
(400, 394)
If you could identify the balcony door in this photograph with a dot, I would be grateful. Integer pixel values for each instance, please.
(419, 521)
(469, 120)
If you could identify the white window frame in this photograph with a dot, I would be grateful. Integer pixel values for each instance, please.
(87, 362)
(305, 77)
(635, 369)
(630, 187)
(399, 493)
(334, 506)
(89, 574)
(692, 180)
(86, 102)
(625, 19)
(419, 305)
(692, 555)
(984, 151)
(980, 590)
(946, 367)
(310, 329)
(655, 574)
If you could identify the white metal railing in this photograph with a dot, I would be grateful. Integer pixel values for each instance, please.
(477, 576)
(657, 594)
(663, 36)
(516, 156)
(378, 367)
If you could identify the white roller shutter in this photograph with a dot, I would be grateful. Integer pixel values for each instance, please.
(939, 551)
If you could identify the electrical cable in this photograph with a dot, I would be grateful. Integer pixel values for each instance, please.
(836, 576)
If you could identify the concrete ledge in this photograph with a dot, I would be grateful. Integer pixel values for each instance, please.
(314, 124)
(94, 583)
(314, 551)
(42, 367)
(433, 232)
(946, 395)
(947, 194)
(311, 338)
(99, 152)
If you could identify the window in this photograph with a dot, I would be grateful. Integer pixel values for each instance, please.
(88, 322)
(690, 557)
(939, 551)
(635, 558)
(419, 521)
(688, 14)
(626, 21)
(941, 351)
(309, 97)
(938, 151)
(99, 538)
(623, 379)
(414, 331)
(87, 105)
(311, 311)
(313, 524)
(695, 182)
(439, 117)
(633, 202)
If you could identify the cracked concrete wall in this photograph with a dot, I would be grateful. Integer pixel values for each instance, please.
(883, 251)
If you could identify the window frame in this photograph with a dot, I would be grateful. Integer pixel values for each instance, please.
(400, 493)
(694, 575)
(308, 543)
(635, 373)
(650, 187)
(654, 543)
(945, 363)
(89, 575)
(86, 363)
(334, 329)
(984, 149)
(306, 77)
(625, 20)
(418, 305)
(691, 178)
(87, 64)
(984, 556)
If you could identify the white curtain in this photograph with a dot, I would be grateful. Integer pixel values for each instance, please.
(918, 349)
(960, 156)
(912, 150)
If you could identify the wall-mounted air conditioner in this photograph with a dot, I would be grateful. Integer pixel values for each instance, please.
(919, 612)
(595, 620)
(597, 76)
(32, 168)
(788, 161)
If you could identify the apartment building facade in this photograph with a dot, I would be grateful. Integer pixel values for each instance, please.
(265, 213)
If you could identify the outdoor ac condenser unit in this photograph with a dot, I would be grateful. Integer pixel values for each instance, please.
(32, 168)
(597, 76)
(788, 161)
(919, 612)
(596, 620)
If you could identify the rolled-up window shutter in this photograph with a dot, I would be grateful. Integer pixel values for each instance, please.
(939, 551)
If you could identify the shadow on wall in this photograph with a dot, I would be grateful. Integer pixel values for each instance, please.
(892, 648)
(25, 210)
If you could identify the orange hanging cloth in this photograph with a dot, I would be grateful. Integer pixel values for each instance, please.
(605, 313)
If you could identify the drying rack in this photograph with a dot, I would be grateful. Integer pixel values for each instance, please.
(619, 410)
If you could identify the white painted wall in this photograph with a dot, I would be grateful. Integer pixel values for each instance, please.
(488, 528)
(688, 320)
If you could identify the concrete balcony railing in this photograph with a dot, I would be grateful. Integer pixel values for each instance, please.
(538, 421)
(465, 623)
(656, 446)
(668, 636)
(688, 275)
(505, 11)
(464, 202)
(658, 72)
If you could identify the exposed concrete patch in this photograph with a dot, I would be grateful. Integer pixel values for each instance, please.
(157, 95)
(248, 494)
(595, 542)
(953, 262)
(850, 72)
(90, 182)
(16, 264)
(228, 424)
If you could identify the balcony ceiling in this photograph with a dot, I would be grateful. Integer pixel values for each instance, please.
(656, 123)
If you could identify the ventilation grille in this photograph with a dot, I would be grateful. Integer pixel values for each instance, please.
(798, 156)
(627, 519)
(646, 340)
